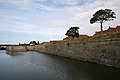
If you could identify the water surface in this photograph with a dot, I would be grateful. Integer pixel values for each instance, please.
(39, 66)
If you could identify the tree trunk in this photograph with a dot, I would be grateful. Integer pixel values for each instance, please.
(101, 26)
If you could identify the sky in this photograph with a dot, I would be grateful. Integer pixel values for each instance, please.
(22, 21)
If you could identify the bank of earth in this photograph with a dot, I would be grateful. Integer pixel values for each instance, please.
(103, 49)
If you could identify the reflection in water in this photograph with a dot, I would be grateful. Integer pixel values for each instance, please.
(38, 66)
(13, 53)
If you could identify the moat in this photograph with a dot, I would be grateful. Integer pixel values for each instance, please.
(38, 66)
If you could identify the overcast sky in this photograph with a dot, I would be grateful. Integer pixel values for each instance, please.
(42, 20)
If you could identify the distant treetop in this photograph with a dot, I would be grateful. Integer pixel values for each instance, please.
(102, 16)
(73, 31)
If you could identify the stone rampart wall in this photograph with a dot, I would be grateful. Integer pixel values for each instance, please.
(105, 52)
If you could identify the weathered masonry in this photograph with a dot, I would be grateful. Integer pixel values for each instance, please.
(102, 52)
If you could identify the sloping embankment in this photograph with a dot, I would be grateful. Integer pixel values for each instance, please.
(103, 52)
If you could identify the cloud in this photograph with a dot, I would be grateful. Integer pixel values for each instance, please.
(80, 15)
(44, 18)
(63, 18)
(66, 2)
(16, 2)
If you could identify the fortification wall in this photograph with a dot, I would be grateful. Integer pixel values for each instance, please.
(105, 52)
